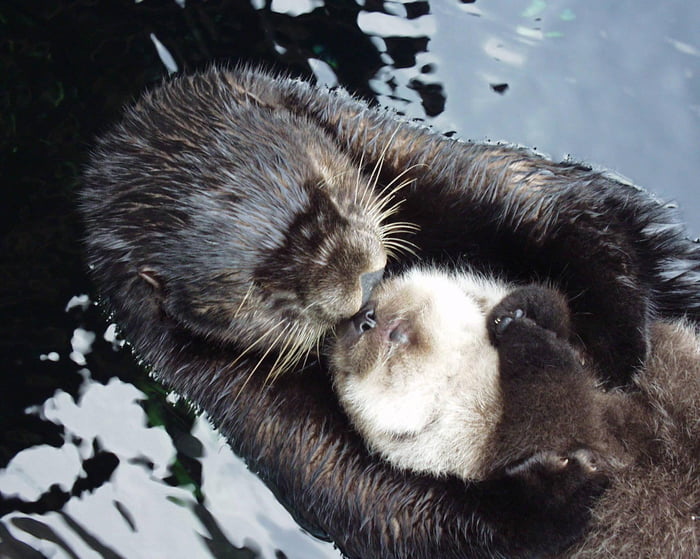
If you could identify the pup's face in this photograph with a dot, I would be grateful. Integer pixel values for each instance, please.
(461, 374)
(416, 371)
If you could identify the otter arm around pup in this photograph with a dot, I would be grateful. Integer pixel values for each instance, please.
(494, 204)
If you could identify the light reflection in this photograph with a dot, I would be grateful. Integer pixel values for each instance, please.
(135, 511)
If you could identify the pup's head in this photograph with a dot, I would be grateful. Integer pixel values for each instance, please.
(416, 371)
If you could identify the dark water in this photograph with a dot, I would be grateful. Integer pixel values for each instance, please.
(96, 459)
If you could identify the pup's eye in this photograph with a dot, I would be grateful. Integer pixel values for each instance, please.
(398, 335)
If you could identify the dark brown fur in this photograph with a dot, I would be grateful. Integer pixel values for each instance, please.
(608, 244)
(644, 440)
(551, 400)
(652, 506)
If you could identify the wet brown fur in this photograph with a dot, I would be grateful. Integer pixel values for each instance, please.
(645, 441)
(247, 224)
(612, 248)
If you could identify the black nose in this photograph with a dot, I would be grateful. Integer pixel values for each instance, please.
(368, 281)
(365, 319)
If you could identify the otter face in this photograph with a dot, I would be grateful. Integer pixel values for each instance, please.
(416, 371)
(283, 281)
(257, 231)
(332, 259)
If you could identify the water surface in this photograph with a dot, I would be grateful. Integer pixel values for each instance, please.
(97, 459)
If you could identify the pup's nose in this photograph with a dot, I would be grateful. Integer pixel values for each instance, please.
(368, 281)
(365, 319)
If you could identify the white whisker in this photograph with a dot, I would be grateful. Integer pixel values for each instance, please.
(250, 289)
(257, 365)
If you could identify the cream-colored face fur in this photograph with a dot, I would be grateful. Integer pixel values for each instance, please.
(422, 386)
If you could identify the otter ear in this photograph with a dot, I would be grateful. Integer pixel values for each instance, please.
(150, 276)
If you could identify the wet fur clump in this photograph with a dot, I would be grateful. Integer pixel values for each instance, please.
(244, 224)
(620, 257)
(447, 380)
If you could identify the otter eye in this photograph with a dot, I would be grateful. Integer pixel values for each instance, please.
(398, 335)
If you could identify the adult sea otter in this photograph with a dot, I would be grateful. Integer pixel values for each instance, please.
(610, 246)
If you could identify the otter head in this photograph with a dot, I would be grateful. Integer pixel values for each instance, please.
(270, 274)
(253, 229)
(331, 258)
(468, 376)
(271, 251)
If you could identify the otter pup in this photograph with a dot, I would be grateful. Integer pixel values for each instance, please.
(245, 223)
(460, 374)
(440, 373)
(612, 248)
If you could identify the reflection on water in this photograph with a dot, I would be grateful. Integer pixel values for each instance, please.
(616, 84)
(230, 513)
(100, 460)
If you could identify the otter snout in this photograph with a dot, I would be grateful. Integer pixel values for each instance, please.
(365, 320)
(393, 331)
(368, 281)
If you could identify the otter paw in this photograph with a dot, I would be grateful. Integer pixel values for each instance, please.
(556, 478)
(555, 462)
(515, 330)
(501, 322)
(544, 307)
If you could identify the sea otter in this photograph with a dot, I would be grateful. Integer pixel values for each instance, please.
(617, 253)
(420, 375)
(460, 374)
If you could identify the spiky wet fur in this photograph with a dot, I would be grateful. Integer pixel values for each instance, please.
(615, 250)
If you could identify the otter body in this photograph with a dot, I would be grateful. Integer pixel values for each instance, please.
(615, 251)
(440, 377)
